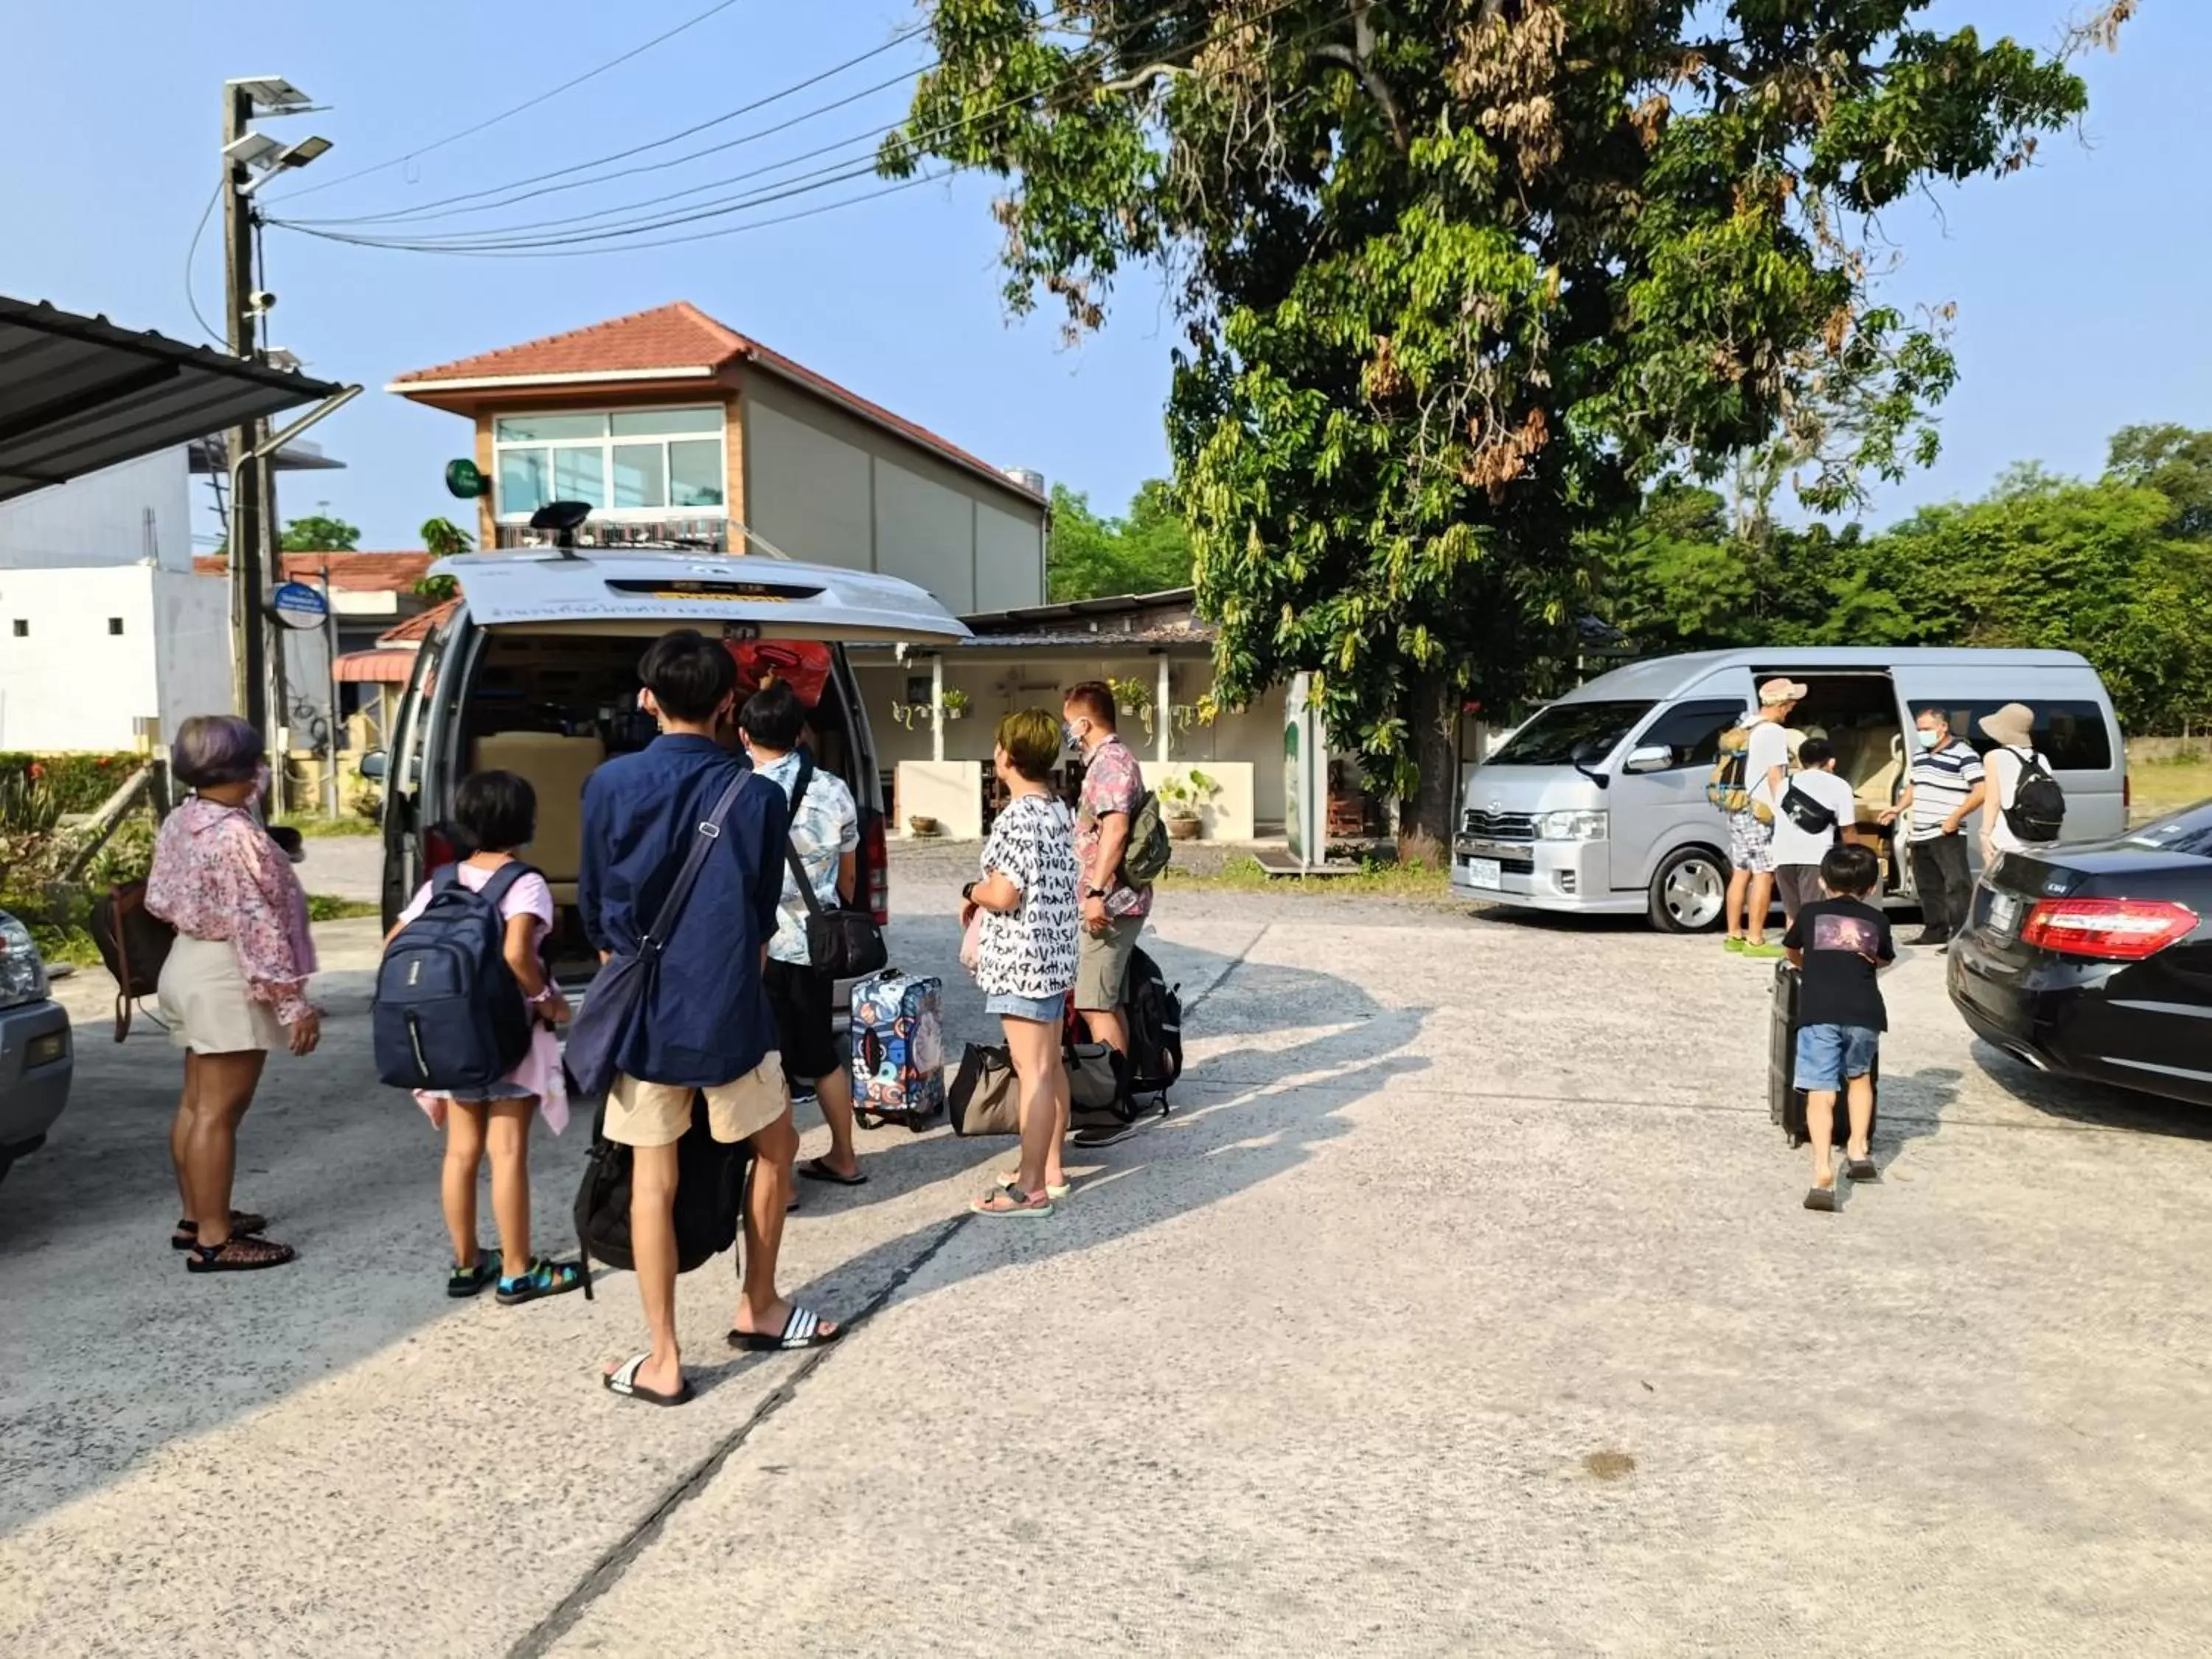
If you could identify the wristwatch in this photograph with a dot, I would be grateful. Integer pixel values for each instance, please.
(968, 893)
(1094, 892)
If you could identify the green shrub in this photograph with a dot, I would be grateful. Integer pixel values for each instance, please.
(80, 783)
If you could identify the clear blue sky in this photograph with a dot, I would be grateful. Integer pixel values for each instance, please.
(2080, 283)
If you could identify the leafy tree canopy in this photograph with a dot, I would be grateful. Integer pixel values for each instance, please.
(1146, 551)
(1458, 275)
(316, 534)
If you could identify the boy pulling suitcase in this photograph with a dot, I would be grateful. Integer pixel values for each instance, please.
(1838, 945)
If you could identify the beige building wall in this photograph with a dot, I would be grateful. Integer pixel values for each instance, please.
(828, 487)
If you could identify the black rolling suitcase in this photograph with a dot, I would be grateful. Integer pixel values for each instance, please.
(1785, 1101)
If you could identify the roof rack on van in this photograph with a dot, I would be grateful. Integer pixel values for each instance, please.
(563, 518)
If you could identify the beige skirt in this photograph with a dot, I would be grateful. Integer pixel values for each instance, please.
(203, 1001)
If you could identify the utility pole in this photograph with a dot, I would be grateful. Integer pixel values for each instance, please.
(249, 599)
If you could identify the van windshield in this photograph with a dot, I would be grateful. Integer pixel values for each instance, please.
(1566, 731)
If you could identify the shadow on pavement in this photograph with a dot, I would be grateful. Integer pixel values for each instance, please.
(2091, 1104)
(1234, 1124)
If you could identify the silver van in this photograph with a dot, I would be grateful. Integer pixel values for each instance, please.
(534, 670)
(1597, 806)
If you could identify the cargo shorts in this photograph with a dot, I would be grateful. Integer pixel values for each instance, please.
(658, 1114)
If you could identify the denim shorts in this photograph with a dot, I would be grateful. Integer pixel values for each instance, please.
(1046, 1011)
(1827, 1055)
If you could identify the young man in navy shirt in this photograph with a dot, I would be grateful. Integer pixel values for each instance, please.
(706, 1026)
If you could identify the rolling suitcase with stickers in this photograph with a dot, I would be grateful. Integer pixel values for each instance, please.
(898, 1050)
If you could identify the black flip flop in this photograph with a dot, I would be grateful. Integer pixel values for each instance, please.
(1861, 1170)
(624, 1381)
(802, 1330)
(815, 1169)
(1822, 1198)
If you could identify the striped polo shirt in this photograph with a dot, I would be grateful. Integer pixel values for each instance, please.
(1941, 780)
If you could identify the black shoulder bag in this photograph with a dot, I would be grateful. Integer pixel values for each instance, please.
(841, 942)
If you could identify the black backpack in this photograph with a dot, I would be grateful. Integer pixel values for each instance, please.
(712, 1177)
(2037, 811)
(1154, 1010)
(449, 1014)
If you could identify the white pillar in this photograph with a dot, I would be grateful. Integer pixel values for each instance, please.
(1163, 709)
(936, 706)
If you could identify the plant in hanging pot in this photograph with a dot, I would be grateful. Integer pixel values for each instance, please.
(954, 702)
(1132, 697)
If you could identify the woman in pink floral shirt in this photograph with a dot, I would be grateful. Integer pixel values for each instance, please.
(235, 984)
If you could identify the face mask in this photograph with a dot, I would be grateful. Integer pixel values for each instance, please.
(1927, 738)
(1068, 739)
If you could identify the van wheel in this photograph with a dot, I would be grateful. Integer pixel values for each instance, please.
(1690, 891)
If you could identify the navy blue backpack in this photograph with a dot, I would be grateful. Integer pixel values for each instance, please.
(449, 1014)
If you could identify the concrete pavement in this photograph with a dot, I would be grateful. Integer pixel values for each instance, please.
(1464, 1304)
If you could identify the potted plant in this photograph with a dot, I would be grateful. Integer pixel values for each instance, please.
(1182, 798)
(954, 703)
(1132, 697)
(922, 827)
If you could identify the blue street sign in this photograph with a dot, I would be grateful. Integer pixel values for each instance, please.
(298, 605)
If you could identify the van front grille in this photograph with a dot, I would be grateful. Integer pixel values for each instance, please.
(1499, 826)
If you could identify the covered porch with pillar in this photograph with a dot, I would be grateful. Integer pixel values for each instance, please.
(933, 713)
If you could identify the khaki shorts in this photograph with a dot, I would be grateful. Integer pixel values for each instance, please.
(1102, 973)
(658, 1114)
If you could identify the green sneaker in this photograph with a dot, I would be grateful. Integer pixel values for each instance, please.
(1764, 952)
(1734, 946)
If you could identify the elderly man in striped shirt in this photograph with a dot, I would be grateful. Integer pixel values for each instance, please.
(1947, 785)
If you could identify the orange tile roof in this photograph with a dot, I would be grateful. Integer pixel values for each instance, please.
(354, 573)
(419, 628)
(678, 336)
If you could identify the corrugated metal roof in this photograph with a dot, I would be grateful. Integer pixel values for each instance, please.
(78, 393)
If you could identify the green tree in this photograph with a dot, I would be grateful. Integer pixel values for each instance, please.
(316, 534)
(2174, 461)
(443, 538)
(1456, 276)
(1146, 552)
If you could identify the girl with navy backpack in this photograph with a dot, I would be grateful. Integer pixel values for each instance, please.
(497, 813)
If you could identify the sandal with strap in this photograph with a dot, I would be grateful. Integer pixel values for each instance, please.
(803, 1328)
(241, 1221)
(472, 1280)
(544, 1278)
(239, 1255)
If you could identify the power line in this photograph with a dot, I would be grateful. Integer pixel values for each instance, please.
(529, 104)
(190, 254)
(511, 241)
(423, 210)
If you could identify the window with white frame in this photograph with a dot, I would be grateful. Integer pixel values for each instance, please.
(636, 464)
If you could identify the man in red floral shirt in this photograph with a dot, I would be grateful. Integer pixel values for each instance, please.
(1114, 912)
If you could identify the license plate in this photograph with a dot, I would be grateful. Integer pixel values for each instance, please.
(1487, 872)
(2004, 915)
(46, 1050)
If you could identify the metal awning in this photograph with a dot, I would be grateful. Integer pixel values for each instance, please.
(384, 666)
(78, 393)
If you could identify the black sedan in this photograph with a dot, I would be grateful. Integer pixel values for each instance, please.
(2095, 961)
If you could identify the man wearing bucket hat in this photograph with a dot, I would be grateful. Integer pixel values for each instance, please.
(2012, 728)
(1751, 837)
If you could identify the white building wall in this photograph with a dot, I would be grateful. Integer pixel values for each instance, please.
(68, 681)
(191, 641)
(130, 514)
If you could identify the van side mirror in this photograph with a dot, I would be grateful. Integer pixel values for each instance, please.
(1651, 757)
(373, 765)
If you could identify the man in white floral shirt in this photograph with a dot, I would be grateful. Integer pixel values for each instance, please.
(1114, 911)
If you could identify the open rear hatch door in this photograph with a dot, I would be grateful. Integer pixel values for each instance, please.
(739, 597)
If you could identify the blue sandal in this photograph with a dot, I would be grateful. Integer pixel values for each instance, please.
(544, 1278)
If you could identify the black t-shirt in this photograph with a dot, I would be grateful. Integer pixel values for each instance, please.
(1837, 936)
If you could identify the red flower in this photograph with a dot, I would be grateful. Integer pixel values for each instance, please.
(101, 762)
(37, 770)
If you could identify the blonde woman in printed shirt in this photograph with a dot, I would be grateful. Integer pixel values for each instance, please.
(1027, 950)
(235, 984)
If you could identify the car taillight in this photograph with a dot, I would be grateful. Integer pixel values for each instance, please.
(437, 851)
(880, 871)
(2113, 930)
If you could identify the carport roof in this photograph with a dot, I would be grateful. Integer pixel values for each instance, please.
(78, 393)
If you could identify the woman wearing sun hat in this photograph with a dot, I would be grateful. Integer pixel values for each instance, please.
(2012, 728)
